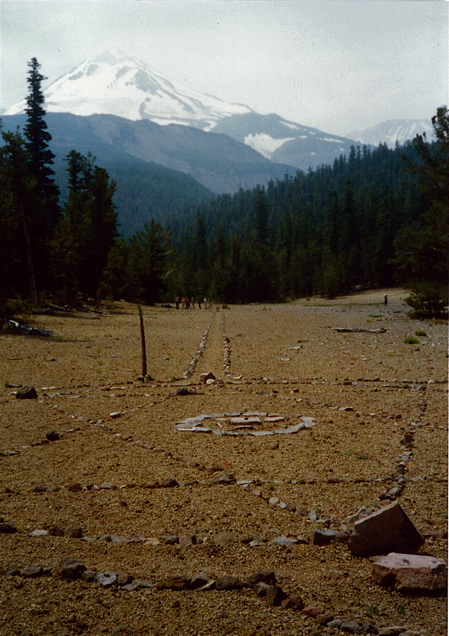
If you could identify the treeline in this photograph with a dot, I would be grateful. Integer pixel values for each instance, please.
(375, 218)
(328, 232)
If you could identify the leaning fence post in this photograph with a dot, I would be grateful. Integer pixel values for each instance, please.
(142, 342)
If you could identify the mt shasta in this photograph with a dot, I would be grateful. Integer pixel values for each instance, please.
(114, 83)
(116, 105)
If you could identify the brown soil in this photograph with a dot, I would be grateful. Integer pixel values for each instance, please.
(88, 369)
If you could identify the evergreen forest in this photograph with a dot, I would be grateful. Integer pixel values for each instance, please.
(373, 219)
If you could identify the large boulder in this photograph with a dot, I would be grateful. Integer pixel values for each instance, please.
(411, 573)
(386, 530)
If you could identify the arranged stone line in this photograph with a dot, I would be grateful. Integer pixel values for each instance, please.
(190, 423)
(191, 368)
(406, 454)
(406, 572)
(243, 422)
(391, 494)
(404, 457)
(227, 347)
(263, 583)
(248, 485)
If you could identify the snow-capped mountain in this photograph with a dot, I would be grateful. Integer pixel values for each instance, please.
(114, 83)
(392, 131)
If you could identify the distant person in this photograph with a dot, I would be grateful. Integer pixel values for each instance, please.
(385, 299)
(177, 302)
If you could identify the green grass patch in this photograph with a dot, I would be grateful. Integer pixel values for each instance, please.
(411, 340)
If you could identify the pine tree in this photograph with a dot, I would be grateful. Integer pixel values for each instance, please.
(87, 230)
(43, 215)
(38, 137)
(424, 249)
(17, 196)
(149, 255)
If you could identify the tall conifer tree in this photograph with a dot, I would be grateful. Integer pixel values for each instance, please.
(37, 135)
(43, 213)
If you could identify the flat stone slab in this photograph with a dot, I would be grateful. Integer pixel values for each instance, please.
(384, 531)
(235, 421)
(411, 573)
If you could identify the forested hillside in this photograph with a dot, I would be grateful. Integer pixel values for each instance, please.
(374, 218)
(330, 231)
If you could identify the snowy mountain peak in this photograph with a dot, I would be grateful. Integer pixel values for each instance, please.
(117, 84)
(393, 131)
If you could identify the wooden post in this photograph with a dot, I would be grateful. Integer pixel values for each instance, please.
(142, 341)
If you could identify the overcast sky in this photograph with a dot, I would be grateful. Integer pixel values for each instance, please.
(335, 65)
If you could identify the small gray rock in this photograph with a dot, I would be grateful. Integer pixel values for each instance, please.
(169, 483)
(107, 579)
(226, 479)
(198, 580)
(334, 624)
(204, 377)
(136, 585)
(38, 533)
(325, 536)
(324, 619)
(52, 436)
(274, 595)
(261, 588)
(228, 582)
(124, 579)
(169, 540)
(284, 541)
(350, 627)
(107, 485)
(293, 602)
(31, 572)
(69, 569)
(263, 576)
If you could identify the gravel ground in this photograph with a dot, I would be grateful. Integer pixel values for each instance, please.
(105, 474)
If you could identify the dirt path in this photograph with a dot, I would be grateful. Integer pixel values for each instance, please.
(362, 387)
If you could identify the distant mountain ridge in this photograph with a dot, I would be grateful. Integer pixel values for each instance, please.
(393, 131)
(114, 83)
(197, 163)
(285, 141)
